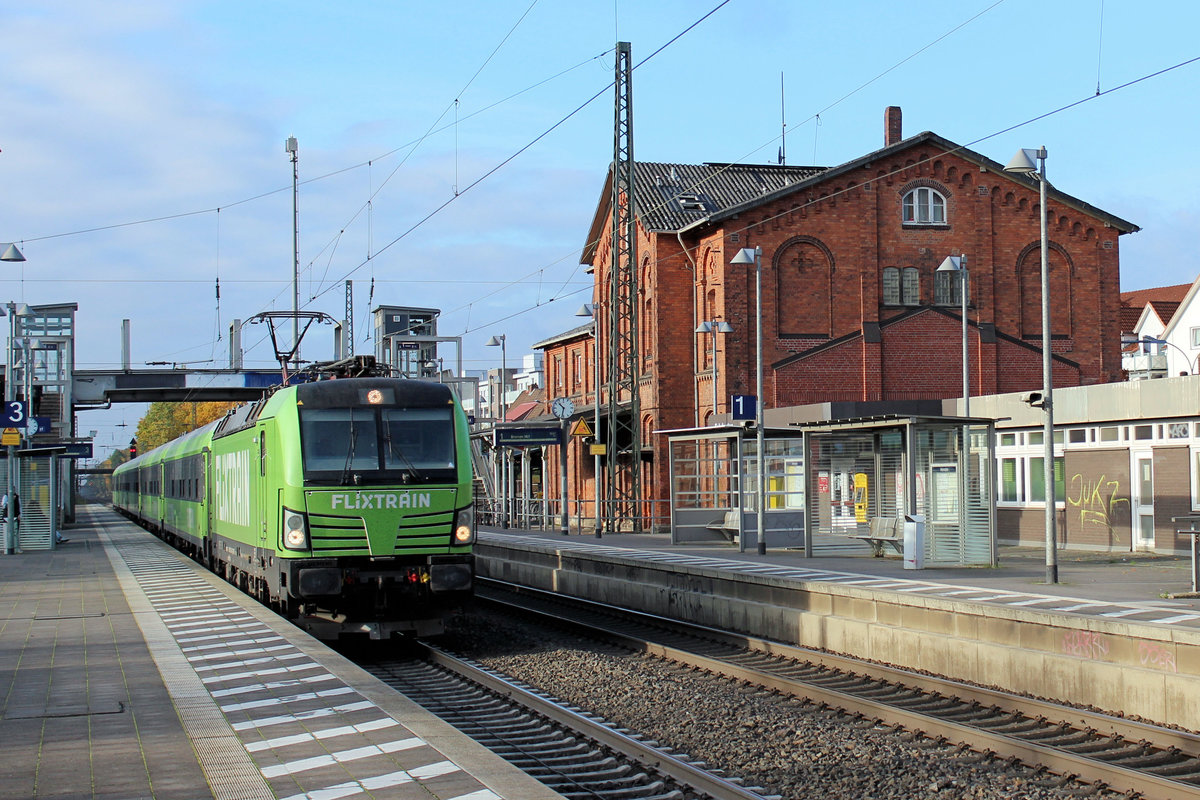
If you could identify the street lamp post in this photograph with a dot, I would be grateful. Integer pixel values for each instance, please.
(589, 310)
(1023, 163)
(753, 255)
(959, 264)
(501, 341)
(714, 327)
(1192, 367)
(12, 254)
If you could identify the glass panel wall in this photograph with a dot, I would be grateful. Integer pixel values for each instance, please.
(704, 487)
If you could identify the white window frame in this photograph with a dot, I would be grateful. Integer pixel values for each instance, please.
(891, 286)
(924, 206)
(1194, 464)
(910, 286)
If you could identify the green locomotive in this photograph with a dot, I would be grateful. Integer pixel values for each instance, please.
(345, 504)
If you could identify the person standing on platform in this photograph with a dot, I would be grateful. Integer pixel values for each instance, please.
(11, 505)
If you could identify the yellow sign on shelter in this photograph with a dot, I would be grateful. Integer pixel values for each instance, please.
(10, 438)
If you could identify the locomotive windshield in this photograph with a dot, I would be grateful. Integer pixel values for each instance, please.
(377, 445)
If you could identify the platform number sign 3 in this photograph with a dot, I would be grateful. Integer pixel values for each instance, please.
(14, 414)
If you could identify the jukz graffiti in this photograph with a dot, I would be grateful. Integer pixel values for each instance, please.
(1097, 500)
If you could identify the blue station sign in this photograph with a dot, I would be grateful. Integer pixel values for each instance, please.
(528, 435)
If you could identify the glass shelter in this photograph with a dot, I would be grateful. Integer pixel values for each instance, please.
(842, 487)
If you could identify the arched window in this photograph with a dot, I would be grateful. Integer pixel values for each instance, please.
(924, 206)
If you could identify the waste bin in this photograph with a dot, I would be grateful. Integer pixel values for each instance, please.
(914, 541)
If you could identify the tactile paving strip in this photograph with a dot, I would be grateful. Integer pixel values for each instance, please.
(266, 719)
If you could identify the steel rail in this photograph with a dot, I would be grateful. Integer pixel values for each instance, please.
(679, 770)
(1088, 769)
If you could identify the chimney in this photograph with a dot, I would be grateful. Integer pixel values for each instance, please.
(893, 129)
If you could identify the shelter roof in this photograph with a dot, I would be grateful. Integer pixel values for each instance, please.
(582, 331)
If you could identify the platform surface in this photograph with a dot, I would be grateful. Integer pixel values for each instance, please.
(1135, 586)
(128, 671)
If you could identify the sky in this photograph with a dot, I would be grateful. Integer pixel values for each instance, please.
(451, 155)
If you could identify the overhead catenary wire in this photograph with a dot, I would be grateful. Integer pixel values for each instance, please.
(969, 144)
(535, 140)
(1031, 120)
(1098, 94)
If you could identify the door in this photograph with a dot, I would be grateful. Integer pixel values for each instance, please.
(1143, 500)
(266, 502)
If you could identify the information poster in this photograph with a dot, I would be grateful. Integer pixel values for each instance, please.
(944, 483)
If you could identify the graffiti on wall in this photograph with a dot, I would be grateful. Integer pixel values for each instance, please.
(1084, 644)
(1095, 647)
(1098, 501)
(1157, 655)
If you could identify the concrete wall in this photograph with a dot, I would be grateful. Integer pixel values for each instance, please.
(1151, 672)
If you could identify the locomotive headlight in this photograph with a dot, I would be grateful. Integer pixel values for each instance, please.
(464, 526)
(295, 530)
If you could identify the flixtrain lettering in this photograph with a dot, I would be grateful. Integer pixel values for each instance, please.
(231, 487)
(377, 501)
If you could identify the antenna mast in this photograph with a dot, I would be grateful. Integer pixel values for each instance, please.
(349, 319)
(783, 120)
(290, 146)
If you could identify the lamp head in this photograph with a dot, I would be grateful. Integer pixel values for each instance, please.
(724, 327)
(953, 264)
(1025, 161)
(745, 256)
(495, 341)
(586, 310)
(704, 327)
(11, 253)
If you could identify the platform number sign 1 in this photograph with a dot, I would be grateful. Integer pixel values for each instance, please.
(14, 414)
(745, 406)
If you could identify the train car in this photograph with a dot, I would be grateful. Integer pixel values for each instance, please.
(346, 504)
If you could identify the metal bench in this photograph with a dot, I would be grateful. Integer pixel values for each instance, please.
(728, 526)
(887, 531)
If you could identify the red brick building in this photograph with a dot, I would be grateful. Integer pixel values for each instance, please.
(853, 307)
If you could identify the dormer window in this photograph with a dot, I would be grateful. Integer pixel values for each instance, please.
(924, 206)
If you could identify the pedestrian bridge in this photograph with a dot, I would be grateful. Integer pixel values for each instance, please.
(96, 387)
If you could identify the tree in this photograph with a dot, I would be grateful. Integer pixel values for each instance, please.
(166, 421)
(97, 487)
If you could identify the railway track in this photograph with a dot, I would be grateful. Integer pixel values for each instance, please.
(576, 754)
(1123, 755)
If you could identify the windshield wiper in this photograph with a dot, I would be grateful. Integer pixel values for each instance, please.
(409, 467)
(346, 469)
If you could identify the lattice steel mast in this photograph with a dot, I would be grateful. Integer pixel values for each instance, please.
(349, 332)
(624, 415)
